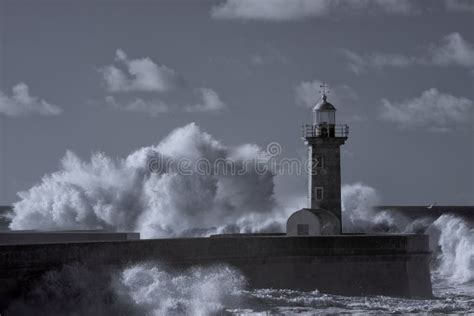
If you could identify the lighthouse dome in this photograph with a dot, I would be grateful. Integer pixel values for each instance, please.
(324, 106)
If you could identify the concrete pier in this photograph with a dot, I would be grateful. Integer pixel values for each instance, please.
(394, 265)
(41, 237)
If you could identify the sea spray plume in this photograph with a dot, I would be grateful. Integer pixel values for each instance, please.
(451, 237)
(196, 291)
(358, 201)
(100, 194)
(359, 214)
(123, 194)
(451, 240)
(456, 240)
(143, 289)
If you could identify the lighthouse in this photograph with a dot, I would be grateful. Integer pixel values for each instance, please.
(324, 139)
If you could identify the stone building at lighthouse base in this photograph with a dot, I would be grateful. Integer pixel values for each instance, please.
(312, 222)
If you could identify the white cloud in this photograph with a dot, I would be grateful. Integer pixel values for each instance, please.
(395, 6)
(454, 50)
(144, 76)
(451, 50)
(355, 61)
(21, 103)
(433, 110)
(153, 108)
(270, 56)
(257, 60)
(360, 63)
(286, 10)
(141, 75)
(276, 10)
(210, 102)
(308, 94)
(460, 5)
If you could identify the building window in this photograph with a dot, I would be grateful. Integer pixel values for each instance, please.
(320, 163)
(319, 193)
(302, 229)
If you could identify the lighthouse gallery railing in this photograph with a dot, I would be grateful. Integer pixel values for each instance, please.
(325, 130)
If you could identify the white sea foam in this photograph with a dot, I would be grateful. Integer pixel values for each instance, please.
(123, 194)
(456, 240)
(451, 237)
(359, 215)
(143, 289)
(196, 291)
(310, 303)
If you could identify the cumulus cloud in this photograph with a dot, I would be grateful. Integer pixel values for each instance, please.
(359, 63)
(173, 200)
(395, 6)
(434, 110)
(21, 103)
(151, 107)
(140, 75)
(308, 93)
(283, 10)
(147, 79)
(459, 5)
(210, 101)
(278, 10)
(451, 50)
(271, 56)
(257, 60)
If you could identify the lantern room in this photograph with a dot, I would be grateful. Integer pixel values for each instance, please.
(324, 113)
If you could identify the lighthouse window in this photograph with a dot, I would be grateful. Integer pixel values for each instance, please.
(319, 161)
(319, 193)
(302, 229)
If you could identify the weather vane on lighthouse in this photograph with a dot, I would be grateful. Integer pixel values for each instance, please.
(324, 91)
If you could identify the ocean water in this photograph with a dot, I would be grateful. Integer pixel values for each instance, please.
(452, 273)
(152, 289)
(149, 289)
(448, 300)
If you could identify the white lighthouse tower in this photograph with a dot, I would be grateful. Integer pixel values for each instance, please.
(324, 139)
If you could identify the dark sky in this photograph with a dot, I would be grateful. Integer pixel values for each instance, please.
(401, 75)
